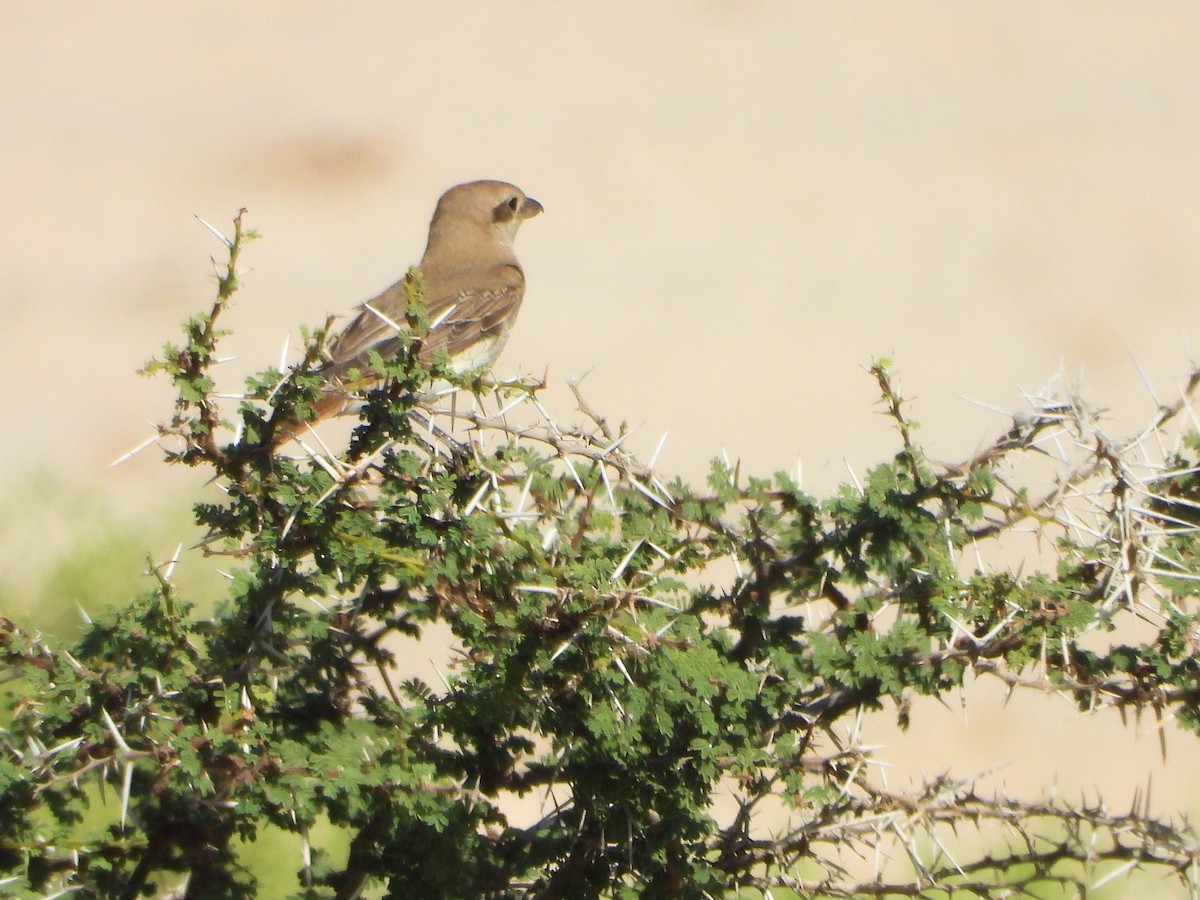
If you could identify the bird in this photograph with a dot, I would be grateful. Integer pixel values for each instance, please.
(473, 287)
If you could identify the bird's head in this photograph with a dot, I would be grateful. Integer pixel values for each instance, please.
(493, 207)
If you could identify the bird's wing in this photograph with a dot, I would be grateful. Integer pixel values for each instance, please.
(469, 307)
(462, 307)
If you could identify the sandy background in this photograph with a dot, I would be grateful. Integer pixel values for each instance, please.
(746, 203)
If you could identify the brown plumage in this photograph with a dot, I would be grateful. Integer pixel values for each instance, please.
(473, 289)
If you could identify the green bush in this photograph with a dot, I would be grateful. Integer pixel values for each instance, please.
(606, 670)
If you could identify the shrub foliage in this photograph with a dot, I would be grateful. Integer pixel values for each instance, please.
(625, 652)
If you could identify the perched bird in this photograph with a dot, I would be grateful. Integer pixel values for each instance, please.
(473, 289)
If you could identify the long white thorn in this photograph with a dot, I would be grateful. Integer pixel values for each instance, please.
(386, 321)
(217, 234)
(130, 454)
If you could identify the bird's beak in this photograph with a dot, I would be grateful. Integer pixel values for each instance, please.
(530, 208)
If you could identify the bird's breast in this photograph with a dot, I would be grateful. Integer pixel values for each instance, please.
(483, 352)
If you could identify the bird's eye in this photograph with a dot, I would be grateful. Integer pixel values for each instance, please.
(513, 203)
